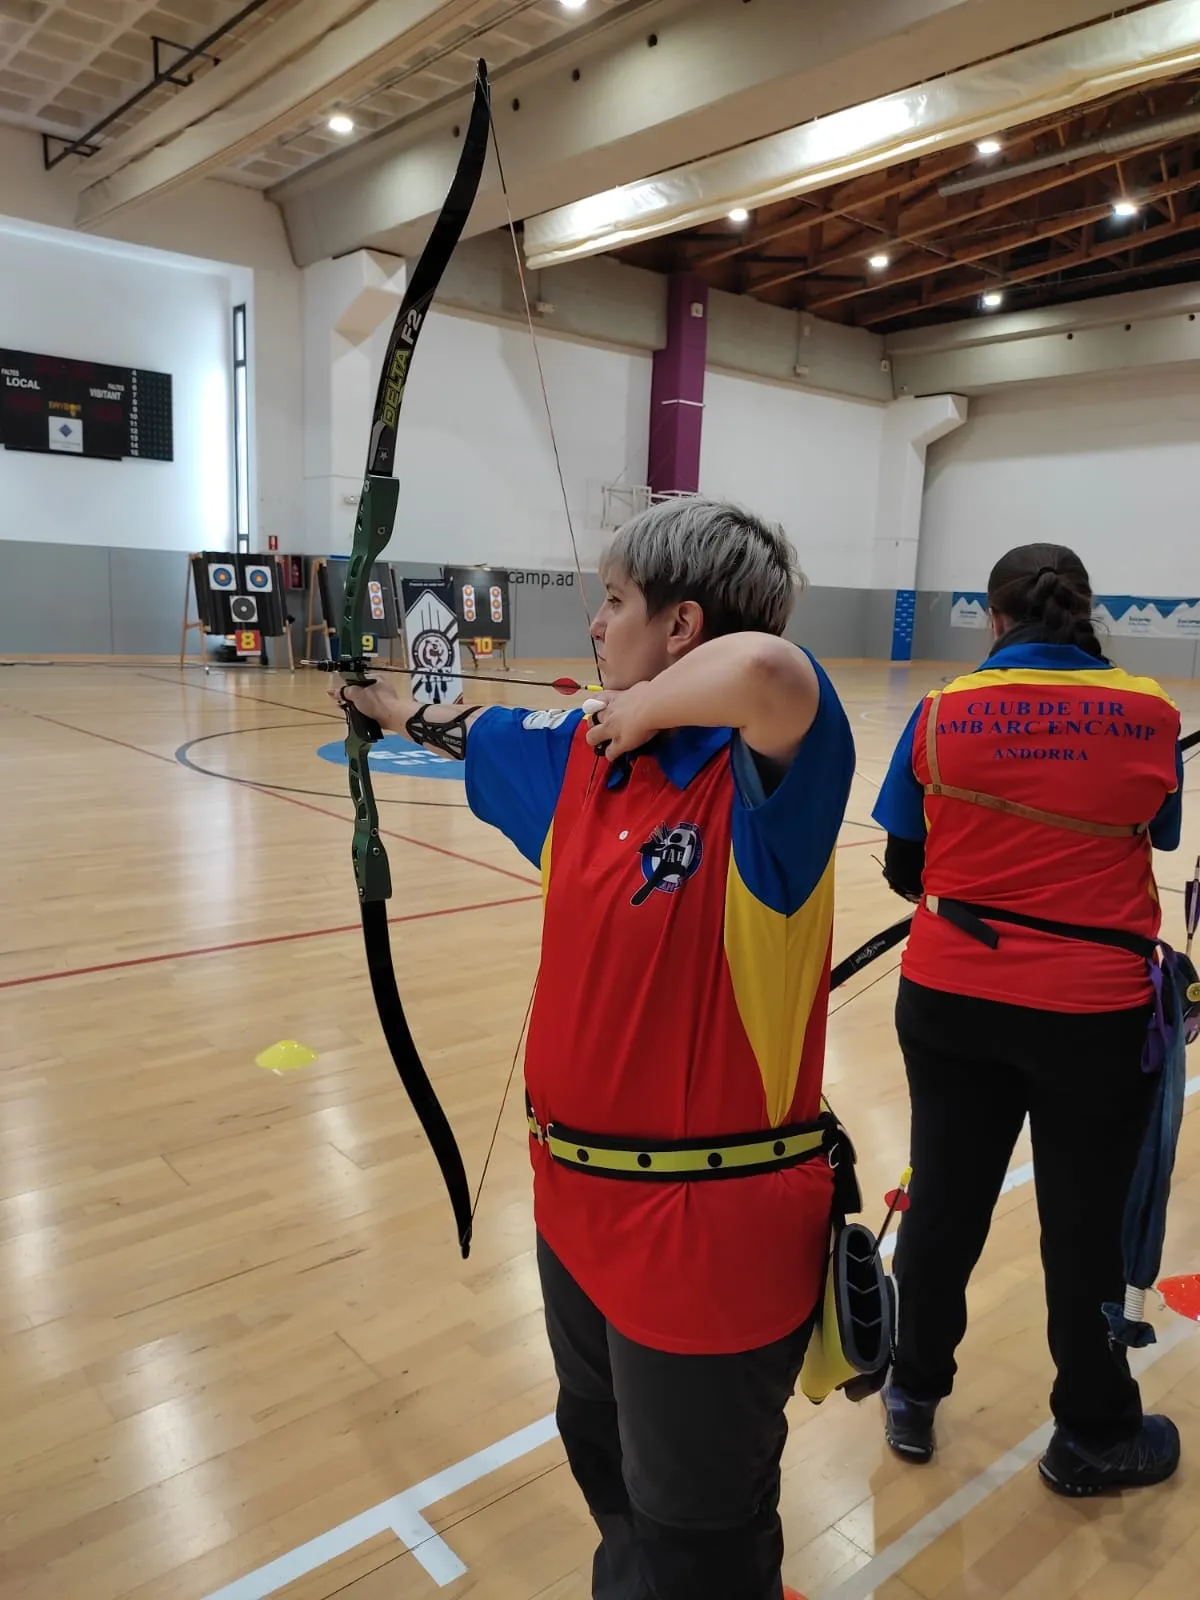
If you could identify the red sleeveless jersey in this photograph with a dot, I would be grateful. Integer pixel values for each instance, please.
(1052, 728)
(690, 1004)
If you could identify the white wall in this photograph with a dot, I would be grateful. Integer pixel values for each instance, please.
(1110, 467)
(62, 295)
(808, 461)
(479, 480)
(474, 459)
(224, 223)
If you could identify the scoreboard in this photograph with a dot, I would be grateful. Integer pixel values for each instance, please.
(82, 408)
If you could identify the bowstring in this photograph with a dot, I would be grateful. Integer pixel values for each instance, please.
(562, 486)
(512, 1072)
(537, 356)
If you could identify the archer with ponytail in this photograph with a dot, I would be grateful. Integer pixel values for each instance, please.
(1028, 792)
(1041, 592)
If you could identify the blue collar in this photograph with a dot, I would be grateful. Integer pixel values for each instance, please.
(680, 755)
(1045, 658)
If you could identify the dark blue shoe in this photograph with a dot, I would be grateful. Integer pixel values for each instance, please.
(908, 1425)
(1151, 1456)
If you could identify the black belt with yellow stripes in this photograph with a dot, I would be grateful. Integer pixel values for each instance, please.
(728, 1155)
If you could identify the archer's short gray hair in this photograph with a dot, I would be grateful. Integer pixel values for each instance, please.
(742, 572)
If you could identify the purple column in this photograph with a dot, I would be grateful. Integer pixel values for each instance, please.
(677, 389)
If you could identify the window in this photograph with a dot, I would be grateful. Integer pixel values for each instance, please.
(241, 443)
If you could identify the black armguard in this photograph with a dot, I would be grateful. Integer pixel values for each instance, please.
(448, 736)
(904, 866)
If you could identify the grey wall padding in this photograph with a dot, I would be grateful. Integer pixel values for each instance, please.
(60, 600)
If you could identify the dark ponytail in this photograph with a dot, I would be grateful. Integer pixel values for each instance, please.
(1045, 589)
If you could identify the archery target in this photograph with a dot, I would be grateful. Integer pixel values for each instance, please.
(259, 579)
(221, 576)
(375, 599)
(243, 608)
(481, 596)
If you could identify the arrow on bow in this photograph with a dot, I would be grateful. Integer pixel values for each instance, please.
(372, 531)
(563, 685)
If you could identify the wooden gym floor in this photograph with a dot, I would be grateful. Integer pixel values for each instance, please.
(239, 1354)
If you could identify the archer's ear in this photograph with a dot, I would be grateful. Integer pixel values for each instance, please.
(687, 627)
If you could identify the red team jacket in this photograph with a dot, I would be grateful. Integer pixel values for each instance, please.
(692, 1008)
(1052, 727)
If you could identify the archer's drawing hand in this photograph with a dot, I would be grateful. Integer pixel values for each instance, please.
(626, 721)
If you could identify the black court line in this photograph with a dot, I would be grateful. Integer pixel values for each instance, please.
(183, 756)
(280, 705)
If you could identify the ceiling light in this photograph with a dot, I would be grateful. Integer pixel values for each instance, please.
(988, 147)
(992, 299)
(1125, 208)
(739, 214)
(572, 5)
(341, 123)
(878, 261)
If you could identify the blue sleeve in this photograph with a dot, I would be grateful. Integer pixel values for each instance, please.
(782, 842)
(1167, 826)
(900, 807)
(516, 760)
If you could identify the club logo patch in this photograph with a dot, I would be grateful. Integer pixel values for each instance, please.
(669, 858)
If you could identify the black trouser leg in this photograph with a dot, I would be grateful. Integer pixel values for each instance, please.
(967, 1111)
(700, 1442)
(702, 1438)
(1089, 1106)
(587, 1422)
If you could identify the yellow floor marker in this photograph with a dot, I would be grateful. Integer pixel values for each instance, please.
(285, 1056)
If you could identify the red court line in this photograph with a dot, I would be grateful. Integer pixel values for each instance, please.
(251, 944)
(389, 833)
(40, 716)
(423, 844)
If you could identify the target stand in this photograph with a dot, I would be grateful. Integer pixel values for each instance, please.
(239, 598)
(327, 599)
(487, 650)
(481, 604)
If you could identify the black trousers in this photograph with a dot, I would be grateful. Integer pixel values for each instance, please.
(677, 1456)
(976, 1068)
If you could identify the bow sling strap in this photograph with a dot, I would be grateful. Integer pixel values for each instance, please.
(994, 802)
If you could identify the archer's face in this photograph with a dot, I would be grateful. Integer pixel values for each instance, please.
(632, 646)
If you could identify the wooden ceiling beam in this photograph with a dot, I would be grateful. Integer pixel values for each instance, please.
(1002, 196)
(841, 200)
(918, 178)
(1039, 269)
(846, 198)
(909, 227)
(1140, 270)
(1000, 244)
